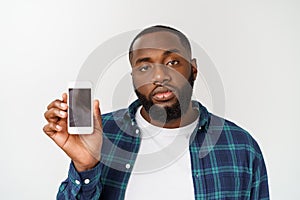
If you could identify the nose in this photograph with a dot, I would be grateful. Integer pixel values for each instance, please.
(160, 74)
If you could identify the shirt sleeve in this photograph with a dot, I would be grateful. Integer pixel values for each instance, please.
(82, 186)
(260, 188)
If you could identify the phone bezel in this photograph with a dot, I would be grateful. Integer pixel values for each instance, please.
(80, 85)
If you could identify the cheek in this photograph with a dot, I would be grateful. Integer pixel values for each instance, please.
(141, 83)
(180, 75)
(144, 89)
(185, 71)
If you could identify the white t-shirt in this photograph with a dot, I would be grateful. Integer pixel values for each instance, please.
(163, 166)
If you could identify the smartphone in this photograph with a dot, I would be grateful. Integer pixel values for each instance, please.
(80, 111)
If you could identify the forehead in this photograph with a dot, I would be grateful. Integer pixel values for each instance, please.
(157, 40)
(162, 40)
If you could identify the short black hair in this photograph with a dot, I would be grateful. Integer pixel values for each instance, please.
(157, 28)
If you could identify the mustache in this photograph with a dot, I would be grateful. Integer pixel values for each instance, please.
(163, 88)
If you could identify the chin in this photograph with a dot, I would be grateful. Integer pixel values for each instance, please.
(165, 103)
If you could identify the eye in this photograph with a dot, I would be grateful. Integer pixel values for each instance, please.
(144, 68)
(173, 62)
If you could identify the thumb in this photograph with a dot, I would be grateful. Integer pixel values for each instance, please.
(64, 97)
(97, 113)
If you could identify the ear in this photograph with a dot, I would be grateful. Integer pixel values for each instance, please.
(194, 68)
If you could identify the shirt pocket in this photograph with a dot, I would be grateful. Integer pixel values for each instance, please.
(229, 187)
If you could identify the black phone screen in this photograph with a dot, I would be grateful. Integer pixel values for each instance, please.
(80, 107)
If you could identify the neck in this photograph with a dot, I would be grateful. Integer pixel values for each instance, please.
(187, 118)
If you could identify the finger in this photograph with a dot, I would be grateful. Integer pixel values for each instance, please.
(55, 114)
(57, 133)
(49, 131)
(58, 104)
(51, 128)
(63, 125)
(49, 118)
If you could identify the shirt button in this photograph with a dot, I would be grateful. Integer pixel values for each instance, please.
(87, 181)
(127, 166)
(137, 131)
(77, 182)
(132, 123)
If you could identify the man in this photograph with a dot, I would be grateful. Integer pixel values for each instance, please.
(154, 149)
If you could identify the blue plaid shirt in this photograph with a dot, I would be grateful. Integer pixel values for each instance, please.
(226, 161)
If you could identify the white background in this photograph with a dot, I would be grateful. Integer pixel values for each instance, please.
(254, 45)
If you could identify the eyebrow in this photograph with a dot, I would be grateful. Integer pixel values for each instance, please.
(166, 53)
(170, 51)
(140, 60)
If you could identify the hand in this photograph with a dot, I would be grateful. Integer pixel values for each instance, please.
(84, 150)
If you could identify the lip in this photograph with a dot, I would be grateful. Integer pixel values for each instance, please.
(162, 94)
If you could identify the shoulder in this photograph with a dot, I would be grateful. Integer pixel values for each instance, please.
(123, 115)
(234, 136)
(116, 119)
(115, 115)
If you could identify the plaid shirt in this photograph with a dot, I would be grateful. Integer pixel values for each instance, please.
(226, 161)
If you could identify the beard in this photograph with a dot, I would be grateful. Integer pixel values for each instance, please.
(168, 113)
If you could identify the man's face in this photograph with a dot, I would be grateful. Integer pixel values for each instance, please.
(163, 75)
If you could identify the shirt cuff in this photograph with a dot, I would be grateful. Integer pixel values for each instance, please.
(86, 180)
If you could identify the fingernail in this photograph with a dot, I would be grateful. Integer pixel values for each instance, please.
(63, 105)
(62, 113)
(58, 127)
